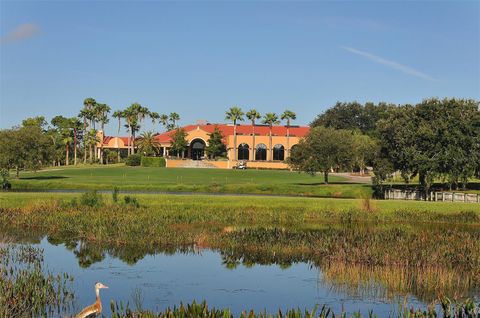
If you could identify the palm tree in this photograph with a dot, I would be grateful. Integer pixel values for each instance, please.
(87, 114)
(67, 139)
(234, 114)
(164, 121)
(74, 125)
(147, 144)
(154, 116)
(134, 114)
(174, 118)
(118, 114)
(101, 114)
(270, 119)
(288, 115)
(253, 115)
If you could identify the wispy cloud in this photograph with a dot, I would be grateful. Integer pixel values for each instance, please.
(392, 64)
(21, 32)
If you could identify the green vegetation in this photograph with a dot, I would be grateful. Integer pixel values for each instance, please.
(189, 180)
(216, 147)
(133, 160)
(25, 289)
(201, 310)
(153, 162)
(422, 248)
(434, 139)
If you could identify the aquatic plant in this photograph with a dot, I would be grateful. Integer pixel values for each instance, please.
(467, 309)
(25, 290)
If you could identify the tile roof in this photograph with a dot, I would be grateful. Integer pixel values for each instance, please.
(261, 130)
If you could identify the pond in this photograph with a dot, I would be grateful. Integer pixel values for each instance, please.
(166, 279)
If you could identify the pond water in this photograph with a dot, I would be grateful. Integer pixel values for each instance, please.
(168, 279)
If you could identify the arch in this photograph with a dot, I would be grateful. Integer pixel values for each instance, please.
(279, 152)
(243, 152)
(197, 149)
(261, 152)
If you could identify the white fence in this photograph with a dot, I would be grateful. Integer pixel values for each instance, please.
(393, 194)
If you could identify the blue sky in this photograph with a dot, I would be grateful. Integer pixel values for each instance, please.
(199, 58)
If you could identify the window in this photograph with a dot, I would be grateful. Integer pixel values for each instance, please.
(278, 152)
(243, 152)
(261, 153)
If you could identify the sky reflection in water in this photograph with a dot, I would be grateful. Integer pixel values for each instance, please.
(167, 280)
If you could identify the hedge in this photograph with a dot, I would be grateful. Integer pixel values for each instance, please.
(153, 162)
(133, 160)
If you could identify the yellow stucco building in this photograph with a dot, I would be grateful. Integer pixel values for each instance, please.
(253, 145)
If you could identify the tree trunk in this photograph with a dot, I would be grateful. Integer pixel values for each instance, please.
(75, 147)
(325, 176)
(17, 172)
(133, 142)
(288, 140)
(253, 142)
(234, 141)
(67, 153)
(270, 152)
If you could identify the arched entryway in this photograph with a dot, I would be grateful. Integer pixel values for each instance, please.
(243, 152)
(197, 149)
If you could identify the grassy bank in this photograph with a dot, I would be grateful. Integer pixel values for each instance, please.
(189, 180)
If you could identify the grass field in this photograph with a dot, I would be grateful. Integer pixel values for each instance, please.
(189, 180)
(377, 208)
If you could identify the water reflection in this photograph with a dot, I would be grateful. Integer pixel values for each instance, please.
(296, 261)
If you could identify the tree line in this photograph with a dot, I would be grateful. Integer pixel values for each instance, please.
(436, 139)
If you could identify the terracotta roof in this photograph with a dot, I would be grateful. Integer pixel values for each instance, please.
(260, 130)
(126, 140)
(241, 130)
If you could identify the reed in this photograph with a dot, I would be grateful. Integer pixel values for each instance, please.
(26, 290)
(466, 309)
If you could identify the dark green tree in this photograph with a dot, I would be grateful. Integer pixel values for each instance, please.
(216, 147)
(323, 150)
(179, 142)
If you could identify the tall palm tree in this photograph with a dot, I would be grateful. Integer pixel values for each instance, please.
(134, 114)
(253, 115)
(174, 118)
(154, 116)
(88, 105)
(234, 114)
(74, 125)
(164, 121)
(83, 114)
(270, 119)
(119, 115)
(101, 114)
(288, 115)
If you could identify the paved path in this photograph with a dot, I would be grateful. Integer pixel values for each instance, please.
(354, 178)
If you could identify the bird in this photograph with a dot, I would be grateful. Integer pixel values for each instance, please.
(96, 307)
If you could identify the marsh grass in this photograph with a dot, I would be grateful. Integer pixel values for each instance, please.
(466, 309)
(430, 253)
(26, 290)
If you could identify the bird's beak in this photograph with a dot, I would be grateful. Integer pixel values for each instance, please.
(103, 286)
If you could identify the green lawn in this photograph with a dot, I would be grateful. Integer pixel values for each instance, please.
(226, 203)
(189, 180)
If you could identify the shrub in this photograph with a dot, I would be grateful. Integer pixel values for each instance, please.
(131, 201)
(153, 162)
(133, 160)
(5, 184)
(115, 194)
(91, 199)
